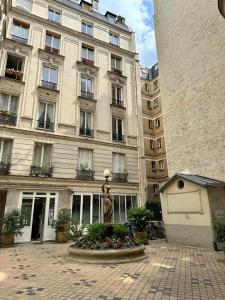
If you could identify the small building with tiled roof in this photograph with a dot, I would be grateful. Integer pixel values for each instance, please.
(191, 205)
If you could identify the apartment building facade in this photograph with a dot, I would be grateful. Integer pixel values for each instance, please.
(154, 142)
(70, 107)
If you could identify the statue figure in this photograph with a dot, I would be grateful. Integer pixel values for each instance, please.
(107, 203)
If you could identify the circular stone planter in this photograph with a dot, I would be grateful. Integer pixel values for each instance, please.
(109, 256)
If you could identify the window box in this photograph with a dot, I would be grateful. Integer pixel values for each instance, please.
(119, 177)
(85, 174)
(7, 117)
(41, 171)
(4, 168)
(12, 73)
(87, 61)
(86, 132)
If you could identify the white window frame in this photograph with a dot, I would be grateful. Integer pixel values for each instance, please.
(86, 85)
(113, 37)
(52, 68)
(54, 13)
(86, 50)
(9, 101)
(46, 105)
(86, 28)
(52, 40)
(116, 61)
(42, 153)
(116, 94)
(85, 118)
(2, 141)
(117, 125)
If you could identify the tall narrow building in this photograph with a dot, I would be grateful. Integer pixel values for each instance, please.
(70, 107)
(154, 142)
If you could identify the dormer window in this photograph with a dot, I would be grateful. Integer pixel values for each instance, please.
(54, 16)
(114, 39)
(87, 29)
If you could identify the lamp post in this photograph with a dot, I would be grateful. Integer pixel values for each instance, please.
(107, 200)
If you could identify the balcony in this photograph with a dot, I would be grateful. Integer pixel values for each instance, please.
(13, 74)
(87, 95)
(19, 39)
(118, 137)
(4, 168)
(88, 62)
(86, 132)
(8, 118)
(45, 125)
(118, 103)
(119, 177)
(49, 85)
(51, 49)
(85, 174)
(41, 171)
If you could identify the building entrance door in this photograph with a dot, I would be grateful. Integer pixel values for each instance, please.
(3, 195)
(39, 210)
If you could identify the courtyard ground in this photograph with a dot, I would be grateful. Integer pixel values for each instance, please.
(44, 271)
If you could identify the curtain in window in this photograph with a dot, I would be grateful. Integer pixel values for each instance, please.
(83, 84)
(88, 116)
(13, 104)
(7, 151)
(49, 116)
(4, 102)
(118, 163)
(37, 155)
(82, 119)
(89, 85)
(47, 156)
(53, 75)
(85, 158)
(41, 117)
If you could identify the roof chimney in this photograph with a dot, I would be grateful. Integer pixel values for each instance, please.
(95, 4)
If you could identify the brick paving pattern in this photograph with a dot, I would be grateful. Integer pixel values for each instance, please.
(44, 271)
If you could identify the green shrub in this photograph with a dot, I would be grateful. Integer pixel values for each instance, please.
(12, 223)
(120, 231)
(139, 217)
(220, 231)
(63, 220)
(76, 231)
(96, 231)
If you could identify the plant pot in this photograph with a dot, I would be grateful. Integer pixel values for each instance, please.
(141, 235)
(7, 240)
(61, 236)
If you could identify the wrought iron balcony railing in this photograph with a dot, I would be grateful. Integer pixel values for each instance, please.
(118, 137)
(117, 103)
(87, 61)
(4, 168)
(49, 85)
(86, 132)
(87, 95)
(85, 174)
(117, 71)
(45, 125)
(51, 49)
(41, 171)
(19, 39)
(119, 177)
(7, 118)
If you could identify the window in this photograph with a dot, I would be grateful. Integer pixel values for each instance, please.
(87, 29)
(54, 16)
(161, 165)
(152, 144)
(157, 123)
(25, 4)
(153, 166)
(14, 67)
(156, 103)
(117, 130)
(87, 55)
(155, 84)
(159, 143)
(85, 159)
(52, 43)
(155, 189)
(116, 63)
(118, 163)
(8, 103)
(87, 87)
(86, 123)
(121, 204)
(150, 125)
(146, 87)
(149, 104)
(46, 116)
(114, 39)
(26, 210)
(20, 31)
(5, 151)
(42, 155)
(117, 96)
(49, 77)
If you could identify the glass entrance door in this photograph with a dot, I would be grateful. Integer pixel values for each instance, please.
(39, 210)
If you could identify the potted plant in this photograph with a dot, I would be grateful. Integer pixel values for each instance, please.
(220, 235)
(62, 225)
(11, 225)
(138, 218)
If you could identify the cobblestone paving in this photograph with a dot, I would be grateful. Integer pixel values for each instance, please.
(44, 271)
